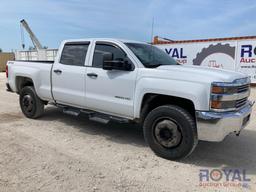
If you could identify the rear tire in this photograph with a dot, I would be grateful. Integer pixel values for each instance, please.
(31, 105)
(170, 132)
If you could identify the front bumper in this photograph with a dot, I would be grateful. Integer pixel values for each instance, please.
(215, 126)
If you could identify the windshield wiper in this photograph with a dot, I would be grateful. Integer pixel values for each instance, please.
(153, 65)
(148, 65)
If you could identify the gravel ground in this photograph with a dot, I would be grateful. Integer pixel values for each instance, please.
(64, 153)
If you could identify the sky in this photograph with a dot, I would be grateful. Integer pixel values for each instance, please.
(55, 20)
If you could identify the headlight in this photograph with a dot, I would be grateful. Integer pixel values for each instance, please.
(229, 96)
(223, 90)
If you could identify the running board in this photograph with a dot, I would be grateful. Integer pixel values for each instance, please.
(102, 118)
(93, 116)
(70, 111)
(99, 119)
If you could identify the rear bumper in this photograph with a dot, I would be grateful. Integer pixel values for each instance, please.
(8, 88)
(215, 126)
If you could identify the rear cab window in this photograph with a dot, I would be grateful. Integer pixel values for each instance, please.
(74, 53)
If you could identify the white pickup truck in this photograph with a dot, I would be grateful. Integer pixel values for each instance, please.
(123, 80)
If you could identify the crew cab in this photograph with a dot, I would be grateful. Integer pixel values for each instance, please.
(130, 81)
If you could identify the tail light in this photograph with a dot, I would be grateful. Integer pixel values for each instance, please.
(6, 71)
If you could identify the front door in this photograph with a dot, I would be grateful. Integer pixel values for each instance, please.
(110, 91)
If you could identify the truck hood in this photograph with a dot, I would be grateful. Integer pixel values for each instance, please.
(198, 73)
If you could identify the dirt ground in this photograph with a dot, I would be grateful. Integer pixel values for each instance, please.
(64, 153)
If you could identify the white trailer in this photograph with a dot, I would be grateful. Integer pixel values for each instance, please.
(235, 53)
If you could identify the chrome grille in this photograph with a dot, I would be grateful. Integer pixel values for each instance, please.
(241, 102)
(243, 88)
(240, 90)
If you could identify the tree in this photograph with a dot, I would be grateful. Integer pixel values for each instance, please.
(1, 50)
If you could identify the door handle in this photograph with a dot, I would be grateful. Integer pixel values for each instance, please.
(57, 71)
(92, 75)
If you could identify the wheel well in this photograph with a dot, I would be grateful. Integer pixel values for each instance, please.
(23, 82)
(151, 101)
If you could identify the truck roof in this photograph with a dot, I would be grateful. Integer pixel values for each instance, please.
(105, 39)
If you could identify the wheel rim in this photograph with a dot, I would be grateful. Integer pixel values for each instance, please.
(28, 103)
(167, 133)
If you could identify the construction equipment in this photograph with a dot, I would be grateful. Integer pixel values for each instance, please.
(33, 37)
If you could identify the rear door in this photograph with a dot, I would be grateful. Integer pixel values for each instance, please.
(68, 74)
(110, 91)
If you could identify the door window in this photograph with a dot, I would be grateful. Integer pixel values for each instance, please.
(74, 54)
(101, 49)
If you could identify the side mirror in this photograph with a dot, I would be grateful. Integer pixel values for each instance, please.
(120, 64)
(106, 58)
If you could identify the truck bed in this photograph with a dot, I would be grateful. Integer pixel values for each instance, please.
(39, 71)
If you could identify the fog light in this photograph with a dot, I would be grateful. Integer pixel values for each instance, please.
(216, 105)
(224, 105)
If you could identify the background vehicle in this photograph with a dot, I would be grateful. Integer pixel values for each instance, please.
(123, 80)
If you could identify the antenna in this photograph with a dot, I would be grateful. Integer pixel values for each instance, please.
(152, 30)
(151, 39)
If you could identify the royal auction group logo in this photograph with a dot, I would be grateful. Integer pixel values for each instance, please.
(213, 49)
(248, 54)
(227, 178)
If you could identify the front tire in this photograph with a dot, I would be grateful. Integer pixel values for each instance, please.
(31, 105)
(170, 132)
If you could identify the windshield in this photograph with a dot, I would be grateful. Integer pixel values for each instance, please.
(151, 56)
